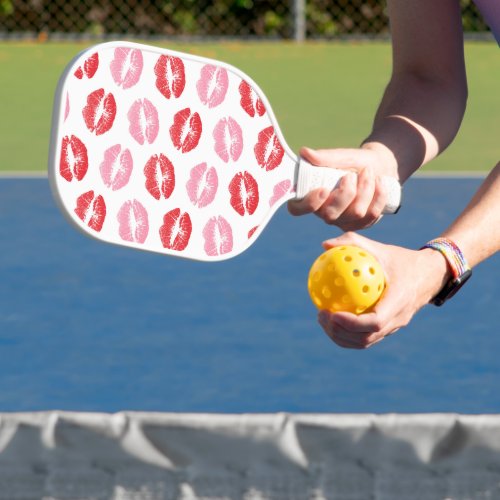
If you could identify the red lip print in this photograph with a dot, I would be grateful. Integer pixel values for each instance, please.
(252, 231)
(100, 111)
(250, 101)
(202, 185)
(218, 236)
(126, 66)
(89, 67)
(244, 193)
(268, 150)
(74, 161)
(91, 210)
(212, 85)
(228, 139)
(176, 230)
(133, 222)
(170, 76)
(160, 176)
(186, 130)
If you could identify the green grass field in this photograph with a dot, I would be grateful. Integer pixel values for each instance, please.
(324, 95)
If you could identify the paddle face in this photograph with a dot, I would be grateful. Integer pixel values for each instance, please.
(166, 152)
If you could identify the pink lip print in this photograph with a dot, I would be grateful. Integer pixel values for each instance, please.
(279, 191)
(186, 130)
(116, 167)
(170, 76)
(268, 150)
(212, 85)
(133, 222)
(218, 236)
(144, 123)
(91, 210)
(100, 111)
(250, 101)
(160, 176)
(228, 139)
(202, 185)
(176, 230)
(89, 67)
(67, 107)
(126, 67)
(74, 161)
(244, 193)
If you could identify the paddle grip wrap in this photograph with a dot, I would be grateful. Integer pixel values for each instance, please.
(310, 177)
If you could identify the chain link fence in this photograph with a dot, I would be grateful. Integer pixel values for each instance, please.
(284, 19)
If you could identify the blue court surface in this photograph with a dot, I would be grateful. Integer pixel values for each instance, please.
(86, 326)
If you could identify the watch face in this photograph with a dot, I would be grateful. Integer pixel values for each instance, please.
(451, 288)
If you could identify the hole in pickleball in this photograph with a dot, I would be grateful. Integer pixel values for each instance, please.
(363, 254)
(356, 273)
(327, 293)
(346, 299)
(317, 276)
(360, 309)
(366, 289)
(372, 270)
(348, 258)
(339, 281)
(379, 287)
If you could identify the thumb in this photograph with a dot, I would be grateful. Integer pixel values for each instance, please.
(353, 159)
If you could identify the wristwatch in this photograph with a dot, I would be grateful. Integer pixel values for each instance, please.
(459, 267)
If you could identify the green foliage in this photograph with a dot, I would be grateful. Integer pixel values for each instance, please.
(6, 8)
(324, 18)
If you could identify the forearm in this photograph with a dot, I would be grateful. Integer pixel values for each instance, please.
(416, 121)
(477, 230)
(424, 102)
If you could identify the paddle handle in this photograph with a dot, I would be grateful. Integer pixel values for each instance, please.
(311, 177)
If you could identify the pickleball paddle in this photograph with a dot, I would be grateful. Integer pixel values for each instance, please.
(172, 153)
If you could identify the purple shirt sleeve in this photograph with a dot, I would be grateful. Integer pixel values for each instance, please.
(490, 9)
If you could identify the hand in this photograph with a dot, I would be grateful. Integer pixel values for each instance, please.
(413, 278)
(359, 199)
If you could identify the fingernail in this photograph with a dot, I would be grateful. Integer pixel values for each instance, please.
(323, 194)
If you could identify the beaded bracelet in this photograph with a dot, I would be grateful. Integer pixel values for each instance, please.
(460, 269)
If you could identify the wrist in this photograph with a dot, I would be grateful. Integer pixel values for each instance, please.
(388, 165)
(437, 273)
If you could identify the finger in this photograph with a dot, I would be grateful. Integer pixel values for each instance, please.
(340, 335)
(379, 200)
(364, 195)
(311, 203)
(362, 324)
(348, 238)
(339, 199)
(356, 215)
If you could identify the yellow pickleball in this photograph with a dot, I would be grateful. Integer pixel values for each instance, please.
(346, 278)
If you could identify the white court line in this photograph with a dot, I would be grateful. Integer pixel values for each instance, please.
(23, 175)
(453, 174)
